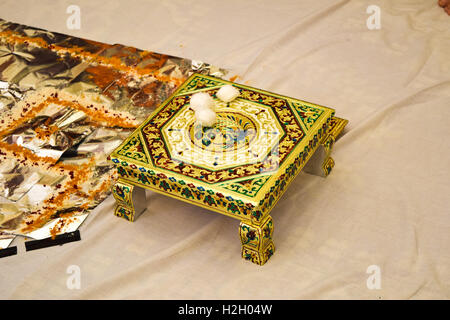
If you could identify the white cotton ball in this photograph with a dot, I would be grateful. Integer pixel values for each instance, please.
(201, 100)
(206, 117)
(227, 93)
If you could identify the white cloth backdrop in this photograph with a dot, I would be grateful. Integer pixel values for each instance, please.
(386, 202)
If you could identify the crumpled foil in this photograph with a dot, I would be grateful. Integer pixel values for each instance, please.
(65, 104)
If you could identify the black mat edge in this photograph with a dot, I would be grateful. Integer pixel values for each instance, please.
(49, 242)
(8, 252)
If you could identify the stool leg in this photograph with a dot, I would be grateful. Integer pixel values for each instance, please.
(256, 239)
(130, 200)
(321, 163)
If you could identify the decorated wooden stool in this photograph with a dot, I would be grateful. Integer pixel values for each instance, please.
(239, 167)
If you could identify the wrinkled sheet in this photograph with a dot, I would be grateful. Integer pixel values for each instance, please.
(384, 204)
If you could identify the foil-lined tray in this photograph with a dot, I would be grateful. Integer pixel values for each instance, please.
(65, 104)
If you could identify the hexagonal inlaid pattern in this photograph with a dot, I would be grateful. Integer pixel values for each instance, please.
(244, 133)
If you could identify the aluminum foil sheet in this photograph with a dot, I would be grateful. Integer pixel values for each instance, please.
(65, 104)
